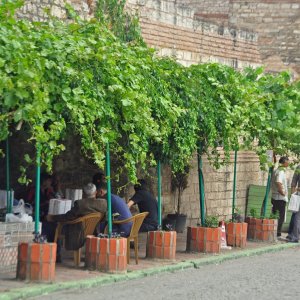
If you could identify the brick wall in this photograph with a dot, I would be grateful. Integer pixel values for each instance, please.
(172, 28)
(277, 23)
(10, 236)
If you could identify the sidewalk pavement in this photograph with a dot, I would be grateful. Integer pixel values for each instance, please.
(69, 277)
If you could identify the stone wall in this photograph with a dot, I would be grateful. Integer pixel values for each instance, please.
(40, 10)
(171, 28)
(218, 187)
(277, 23)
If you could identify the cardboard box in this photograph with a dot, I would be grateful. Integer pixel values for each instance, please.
(59, 206)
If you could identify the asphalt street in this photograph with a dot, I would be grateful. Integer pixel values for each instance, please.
(269, 276)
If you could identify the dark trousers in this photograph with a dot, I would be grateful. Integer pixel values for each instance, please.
(291, 226)
(279, 205)
(48, 229)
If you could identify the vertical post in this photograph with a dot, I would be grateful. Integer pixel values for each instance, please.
(159, 192)
(8, 191)
(201, 187)
(234, 183)
(107, 171)
(37, 189)
(267, 191)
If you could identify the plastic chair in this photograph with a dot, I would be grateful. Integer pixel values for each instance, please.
(137, 221)
(89, 223)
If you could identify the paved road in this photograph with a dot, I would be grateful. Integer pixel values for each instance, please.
(270, 276)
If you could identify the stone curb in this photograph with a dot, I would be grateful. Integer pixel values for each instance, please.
(39, 289)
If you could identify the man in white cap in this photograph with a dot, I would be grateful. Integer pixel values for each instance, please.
(83, 207)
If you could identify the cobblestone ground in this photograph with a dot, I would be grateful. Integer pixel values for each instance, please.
(269, 276)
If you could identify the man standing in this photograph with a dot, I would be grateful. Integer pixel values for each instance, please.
(280, 191)
(118, 207)
(293, 235)
(146, 203)
(296, 180)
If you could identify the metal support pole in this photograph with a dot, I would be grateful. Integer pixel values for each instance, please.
(107, 171)
(37, 190)
(159, 192)
(234, 183)
(201, 188)
(267, 191)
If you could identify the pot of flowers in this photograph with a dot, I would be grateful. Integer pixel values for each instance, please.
(236, 230)
(161, 244)
(205, 238)
(262, 228)
(106, 254)
(36, 260)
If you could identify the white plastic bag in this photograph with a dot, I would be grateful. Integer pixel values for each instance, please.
(294, 203)
(21, 218)
(25, 218)
(20, 208)
(12, 218)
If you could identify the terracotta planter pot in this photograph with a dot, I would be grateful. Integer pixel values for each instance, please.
(204, 239)
(262, 229)
(36, 262)
(106, 254)
(236, 234)
(161, 244)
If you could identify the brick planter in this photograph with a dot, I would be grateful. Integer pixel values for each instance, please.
(236, 234)
(36, 262)
(262, 229)
(161, 244)
(106, 254)
(203, 239)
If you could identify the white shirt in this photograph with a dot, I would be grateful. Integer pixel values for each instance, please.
(279, 176)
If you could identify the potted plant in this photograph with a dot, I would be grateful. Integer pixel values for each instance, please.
(36, 260)
(179, 183)
(205, 238)
(236, 230)
(161, 244)
(262, 228)
(106, 254)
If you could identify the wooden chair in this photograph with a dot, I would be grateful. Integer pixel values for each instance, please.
(89, 223)
(137, 221)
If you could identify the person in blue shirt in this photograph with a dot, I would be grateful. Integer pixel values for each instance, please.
(119, 208)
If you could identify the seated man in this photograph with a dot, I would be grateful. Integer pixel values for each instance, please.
(81, 208)
(146, 203)
(118, 206)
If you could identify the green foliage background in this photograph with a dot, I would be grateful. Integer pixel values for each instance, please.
(97, 79)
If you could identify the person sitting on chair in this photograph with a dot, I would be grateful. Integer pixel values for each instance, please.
(81, 208)
(146, 203)
(118, 207)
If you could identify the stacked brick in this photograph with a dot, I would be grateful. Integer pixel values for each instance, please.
(236, 234)
(36, 262)
(264, 230)
(161, 245)
(106, 254)
(204, 239)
